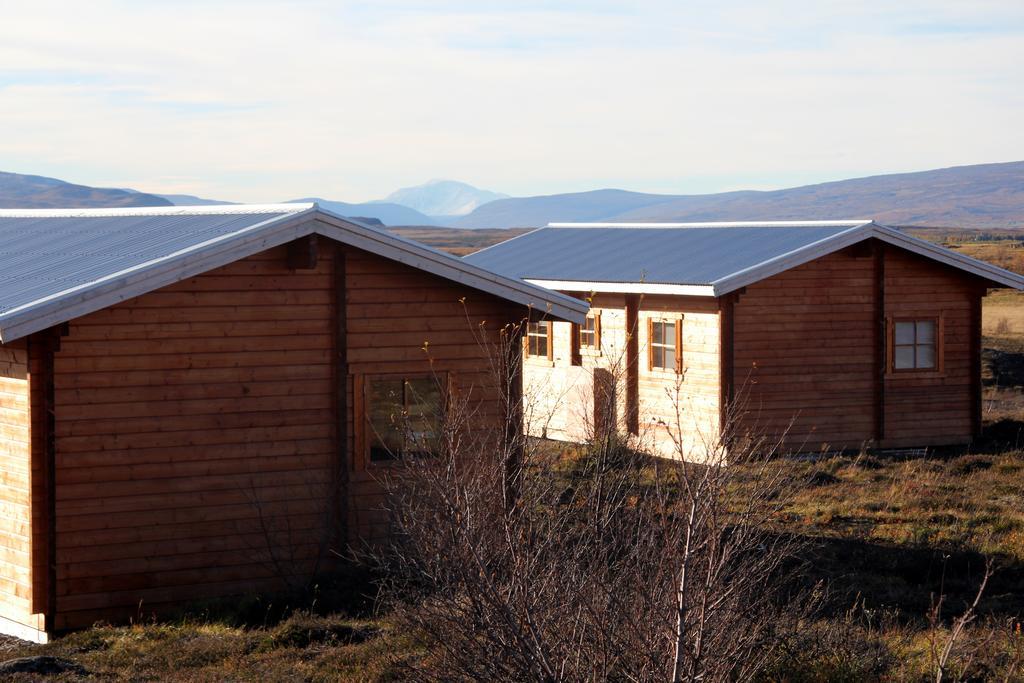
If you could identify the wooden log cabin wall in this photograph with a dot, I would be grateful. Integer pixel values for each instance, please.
(813, 355)
(208, 438)
(834, 335)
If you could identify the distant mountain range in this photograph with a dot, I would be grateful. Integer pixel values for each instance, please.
(443, 198)
(386, 212)
(38, 192)
(190, 200)
(980, 196)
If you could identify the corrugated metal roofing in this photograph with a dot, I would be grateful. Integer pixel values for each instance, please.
(698, 259)
(56, 265)
(699, 254)
(46, 253)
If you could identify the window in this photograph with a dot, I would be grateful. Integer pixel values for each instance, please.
(590, 332)
(538, 339)
(915, 345)
(402, 416)
(586, 337)
(665, 347)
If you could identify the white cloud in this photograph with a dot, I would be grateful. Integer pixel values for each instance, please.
(265, 101)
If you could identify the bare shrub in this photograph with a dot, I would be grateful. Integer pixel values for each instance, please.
(949, 654)
(512, 561)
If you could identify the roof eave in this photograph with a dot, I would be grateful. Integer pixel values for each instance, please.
(987, 271)
(791, 259)
(454, 268)
(275, 231)
(624, 287)
(173, 268)
(994, 274)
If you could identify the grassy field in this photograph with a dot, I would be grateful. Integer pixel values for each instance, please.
(887, 536)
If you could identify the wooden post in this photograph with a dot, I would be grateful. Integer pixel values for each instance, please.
(41, 348)
(976, 363)
(633, 364)
(881, 342)
(511, 377)
(343, 463)
(303, 252)
(727, 359)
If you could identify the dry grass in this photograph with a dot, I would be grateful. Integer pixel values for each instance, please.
(458, 241)
(968, 503)
(887, 535)
(302, 648)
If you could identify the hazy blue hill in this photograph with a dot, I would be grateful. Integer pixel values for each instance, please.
(979, 196)
(595, 205)
(18, 191)
(386, 213)
(987, 195)
(191, 200)
(443, 198)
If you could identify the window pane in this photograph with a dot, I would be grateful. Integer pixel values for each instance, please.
(670, 334)
(904, 333)
(657, 333)
(904, 358)
(657, 354)
(386, 413)
(423, 405)
(925, 331)
(925, 356)
(537, 338)
(588, 324)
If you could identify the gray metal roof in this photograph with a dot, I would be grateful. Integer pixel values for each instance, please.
(706, 259)
(49, 252)
(693, 255)
(58, 264)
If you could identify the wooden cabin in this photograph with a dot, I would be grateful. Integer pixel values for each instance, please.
(830, 335)
(194, 401)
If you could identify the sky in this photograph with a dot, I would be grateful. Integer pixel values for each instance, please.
(266, 101)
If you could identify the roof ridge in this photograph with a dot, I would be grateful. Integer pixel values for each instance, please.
(196, 210)
(852, 222)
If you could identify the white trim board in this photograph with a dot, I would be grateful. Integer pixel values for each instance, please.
(10, 627)
(854, 222)
(624, 287)
(205, 210)
(299, 221)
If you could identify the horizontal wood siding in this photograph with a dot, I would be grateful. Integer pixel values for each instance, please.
(196, 425)
(560, 394)
(679, 413)
(402, 321)
(15, 486)
(804, 350)
(194, 437)
(807, 353)
(931, 408)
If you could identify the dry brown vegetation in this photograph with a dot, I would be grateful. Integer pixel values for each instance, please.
(887, 536)
(458, 241)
